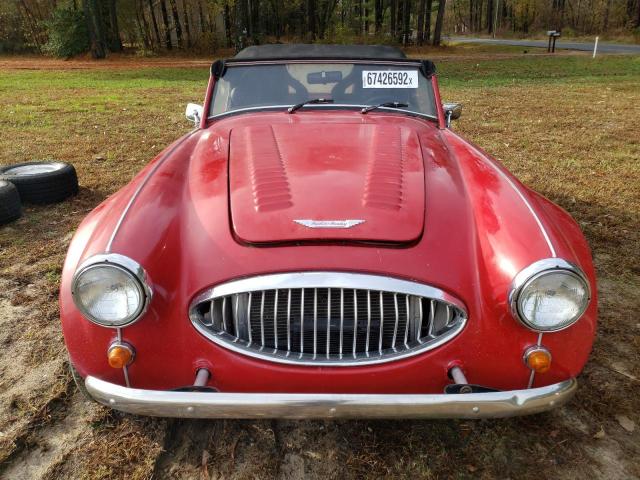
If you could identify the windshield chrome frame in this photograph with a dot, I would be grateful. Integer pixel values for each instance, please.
(333, 106)
(330, 106)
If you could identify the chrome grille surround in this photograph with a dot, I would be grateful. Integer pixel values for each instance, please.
(310, 317)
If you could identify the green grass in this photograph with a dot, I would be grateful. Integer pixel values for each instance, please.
(537, 69)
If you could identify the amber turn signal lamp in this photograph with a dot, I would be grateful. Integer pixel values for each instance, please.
(120, 355)
(538, 359)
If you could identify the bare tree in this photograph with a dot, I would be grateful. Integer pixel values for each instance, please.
(379, 15)
(437, 33)
(95, 29)
(311, 18)
(167, 28)
(154, 22)
(115, 44)
(185, 16)
(176, 22)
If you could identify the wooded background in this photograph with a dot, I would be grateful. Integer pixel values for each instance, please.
(70, 27)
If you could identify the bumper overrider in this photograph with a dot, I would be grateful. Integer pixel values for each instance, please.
(297, 405)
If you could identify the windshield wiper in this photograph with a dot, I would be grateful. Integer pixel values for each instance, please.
(385, 104)
(298, 106)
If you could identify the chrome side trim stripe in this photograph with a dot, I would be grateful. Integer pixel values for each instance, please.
(143, 183)
(520, 194)
(526, 202)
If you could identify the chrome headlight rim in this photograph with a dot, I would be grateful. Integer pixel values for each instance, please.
(124, 264)
(537, 270)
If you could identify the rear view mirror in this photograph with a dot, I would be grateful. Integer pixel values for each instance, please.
(452, 111)
(194, 113)
(316, 78)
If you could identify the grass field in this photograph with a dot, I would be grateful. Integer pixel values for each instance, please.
(568, 126)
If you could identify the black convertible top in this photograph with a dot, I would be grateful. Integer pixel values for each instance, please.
(302, 51)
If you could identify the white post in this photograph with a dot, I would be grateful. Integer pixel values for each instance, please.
(595, 48)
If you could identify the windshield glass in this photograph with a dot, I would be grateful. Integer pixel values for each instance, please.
(347, 84)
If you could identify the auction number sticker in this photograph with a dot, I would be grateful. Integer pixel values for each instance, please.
(390, 79)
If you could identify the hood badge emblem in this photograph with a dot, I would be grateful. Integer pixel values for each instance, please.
(329, 223)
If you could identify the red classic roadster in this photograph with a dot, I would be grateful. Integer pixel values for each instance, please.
(322, 244)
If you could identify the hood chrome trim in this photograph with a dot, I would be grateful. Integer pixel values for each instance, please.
(309, 223)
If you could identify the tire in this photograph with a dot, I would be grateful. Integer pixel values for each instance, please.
(42, 182)
(10, 205)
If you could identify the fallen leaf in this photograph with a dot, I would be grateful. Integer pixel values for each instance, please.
(626, 423)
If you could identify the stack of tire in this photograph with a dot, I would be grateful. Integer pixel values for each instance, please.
(34, 182)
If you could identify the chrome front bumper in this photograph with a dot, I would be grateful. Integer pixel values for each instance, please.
(308, 405)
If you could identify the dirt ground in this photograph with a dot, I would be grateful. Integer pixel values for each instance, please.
(572, 134)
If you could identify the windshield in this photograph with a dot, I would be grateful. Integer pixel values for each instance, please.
(346, 84)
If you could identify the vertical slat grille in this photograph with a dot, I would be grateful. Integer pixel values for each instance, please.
(329, 324)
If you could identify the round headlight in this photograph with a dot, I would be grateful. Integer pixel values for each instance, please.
(109, 293)
(550, 299)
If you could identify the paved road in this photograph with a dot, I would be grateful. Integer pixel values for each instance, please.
(603, 47)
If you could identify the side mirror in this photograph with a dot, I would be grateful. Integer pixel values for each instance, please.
(452, 111)
(194, 113)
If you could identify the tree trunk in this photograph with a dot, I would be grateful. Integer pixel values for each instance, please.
(176, 22)
(379, 15)
(200, 17)
(154, 22)
(275, 6)
(437, 34)
(101, 34)
(90, 14)
(115, 44)
(32, 25)
(311, 18)
(406, 20)
(227, 23)
(143, 26)
(249, 13)
(167, 28)
(366, 19)
(325, 17)
(420, 30)
(185, 15)
(490, 15)
(393, 21)
(427, 21)
(605, 21)
(472, 11)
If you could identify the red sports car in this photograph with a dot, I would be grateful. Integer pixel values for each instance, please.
(322, 244)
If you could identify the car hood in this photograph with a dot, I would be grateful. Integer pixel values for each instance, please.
(324, 182)
(478, 225)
